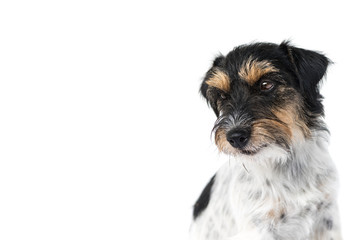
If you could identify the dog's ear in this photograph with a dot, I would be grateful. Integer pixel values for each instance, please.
(309, 68)
(211, 97)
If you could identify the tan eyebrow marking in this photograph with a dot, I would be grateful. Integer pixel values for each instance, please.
(219, 80)
(252, 70)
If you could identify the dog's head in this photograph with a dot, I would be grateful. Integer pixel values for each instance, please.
(264, 95)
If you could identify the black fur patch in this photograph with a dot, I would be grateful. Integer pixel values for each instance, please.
(328, 224)
(204, 199)
(309, 68)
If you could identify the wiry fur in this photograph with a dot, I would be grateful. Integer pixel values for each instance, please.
(280, 183)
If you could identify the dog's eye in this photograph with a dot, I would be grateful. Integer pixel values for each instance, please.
(223, 96)
(266, 85)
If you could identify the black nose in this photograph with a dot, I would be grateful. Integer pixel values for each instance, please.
(238, 138)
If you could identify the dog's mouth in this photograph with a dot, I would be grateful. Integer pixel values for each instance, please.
(252, 151)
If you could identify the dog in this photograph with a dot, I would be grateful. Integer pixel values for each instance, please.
(280, 182)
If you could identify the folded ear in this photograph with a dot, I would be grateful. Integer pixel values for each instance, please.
(309, 68)
(211, 97)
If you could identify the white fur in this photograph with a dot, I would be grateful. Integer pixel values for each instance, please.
(251, 193)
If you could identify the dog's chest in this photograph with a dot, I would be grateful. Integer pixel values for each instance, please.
(259, 205)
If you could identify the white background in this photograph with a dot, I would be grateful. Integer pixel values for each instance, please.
(103, 134)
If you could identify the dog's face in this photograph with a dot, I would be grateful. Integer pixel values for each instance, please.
(264, 95)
